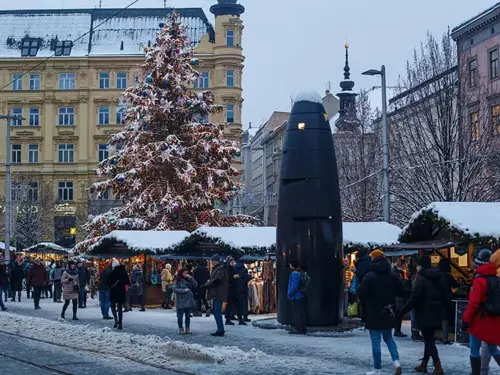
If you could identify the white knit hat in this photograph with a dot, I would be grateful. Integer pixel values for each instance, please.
(115, 263)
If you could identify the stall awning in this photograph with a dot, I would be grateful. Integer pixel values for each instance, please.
(400, 253)
(424, 245)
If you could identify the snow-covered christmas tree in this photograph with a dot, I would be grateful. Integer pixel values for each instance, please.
(167, 167)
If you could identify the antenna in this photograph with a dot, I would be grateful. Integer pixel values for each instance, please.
(164, 3)
(100, 4)
(291, 100)
(328, 87)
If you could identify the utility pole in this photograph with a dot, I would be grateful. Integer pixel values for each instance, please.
(8, 154)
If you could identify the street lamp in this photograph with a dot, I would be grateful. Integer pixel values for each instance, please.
(385, 139)
(8, 153)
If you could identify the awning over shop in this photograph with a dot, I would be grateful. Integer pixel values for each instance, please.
(400, 253)
(424, 245)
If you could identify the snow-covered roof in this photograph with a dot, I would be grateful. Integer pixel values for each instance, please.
(309, 96)
(145, 240)
(474, 218)
(370, 233)
(49, 245)
(2, 247)
(100, 31)
(242, 237)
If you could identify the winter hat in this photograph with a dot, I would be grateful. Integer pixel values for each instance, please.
(377, 253)
(168, 266)
(229, 259)
(215, 258)
(294, 263)
(425, 262)
(115, 263)
(483, 257)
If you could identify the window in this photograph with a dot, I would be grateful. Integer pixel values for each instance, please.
(230, 78)
(495, 119)
(65, 191)
(66, 153)
(63, 48)
(200, 118)
(33, 191)
(104, 80)
(230, 113)
(474, 124)
(120, 114)
(30, 47)
(16, 154)
(66, 116)
(17, 111)
(472, 72)
(103, 151)
(103, 115)
(34, 116)
(17, 81)
(15, 192)
(104, 195)
(230, 38)
(493, 58)
(34, 81)
(121, 80)
(203, 81)
(33, 153)
(67, 81)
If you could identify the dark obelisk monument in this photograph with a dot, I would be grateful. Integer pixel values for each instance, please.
(309, 213)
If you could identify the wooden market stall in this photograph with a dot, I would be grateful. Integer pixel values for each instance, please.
(47, 251)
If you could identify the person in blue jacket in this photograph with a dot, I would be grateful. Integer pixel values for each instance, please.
(298, 300)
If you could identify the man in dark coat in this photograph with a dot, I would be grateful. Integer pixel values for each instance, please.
(450, 283)
(242, 288)
(233, 302)
(362, 265)
(217, 288)
(16, 279)
(83, 279)
(104, 298)
(37, 278)
(201, 275)
(378, 292)
(429, 299)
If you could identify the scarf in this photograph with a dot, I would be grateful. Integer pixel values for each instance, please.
(72, 272)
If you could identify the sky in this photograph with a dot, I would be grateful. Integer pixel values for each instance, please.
(292, 45)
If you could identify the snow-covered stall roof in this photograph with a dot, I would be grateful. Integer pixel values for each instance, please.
(474, 218)
(242, 237)
(137, 240)
(101, 31)
(47, 247)
(2, 247)
(370, 233)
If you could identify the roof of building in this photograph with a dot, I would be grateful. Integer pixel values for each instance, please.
(242, 237)
(370, 233)
(94, 32)
(476, 22)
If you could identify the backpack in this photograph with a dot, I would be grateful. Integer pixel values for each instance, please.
(305, 283)
(492, 304)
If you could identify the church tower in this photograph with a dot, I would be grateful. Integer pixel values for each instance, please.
(348, 120)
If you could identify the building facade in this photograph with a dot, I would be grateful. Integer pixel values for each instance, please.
(70, 102)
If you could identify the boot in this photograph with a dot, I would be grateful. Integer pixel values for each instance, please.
(475, 365)
(120, 326)
(438, 370)
(116, 324)
(188, 331)
(422, 368)
(63, 315)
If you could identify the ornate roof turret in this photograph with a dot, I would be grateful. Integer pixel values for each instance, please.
(347, 120)
(227, 8)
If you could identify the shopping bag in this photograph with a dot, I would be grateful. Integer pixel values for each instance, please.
(352, 310)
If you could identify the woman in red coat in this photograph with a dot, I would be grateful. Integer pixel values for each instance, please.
(481, 325)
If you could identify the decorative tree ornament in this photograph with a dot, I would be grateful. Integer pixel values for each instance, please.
(179, 89)
(177, 208)
(188, 103)
(194, 62)
(121, 179)
(145, 93)
(162, 25)
(235, 188)
(235, 173)
(145, 127)
(238, 154)
(112, 220)
(149, 79)
(208, 138)
(115, 161)
(178, 51)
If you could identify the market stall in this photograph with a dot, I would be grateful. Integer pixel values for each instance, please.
(47, 252)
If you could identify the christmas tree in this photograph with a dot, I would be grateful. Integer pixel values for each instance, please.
(168, 165)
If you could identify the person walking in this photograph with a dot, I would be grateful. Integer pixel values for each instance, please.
(217, 290)
(104, 299)
(37, 278)
(17, 277)
(401, 299)
(27, 268)
(233, 304)
(83, 279)
(137, 287)
(242, 289)
(118, 281)
(298, 299)
(481, 318)
(56, 275)
(3, 275)
(378, 292)
(450, 284)
(71, 289)
(166, 285)
(184, 287)
(201, 274)
(428, 298)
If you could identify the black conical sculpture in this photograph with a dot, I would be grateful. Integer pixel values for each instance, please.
(309, 214)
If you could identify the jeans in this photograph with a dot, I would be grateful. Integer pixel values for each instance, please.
(37, 293)
(217, 311)
(57, 291)
(104, 302)
(430, 350)
(82, 300)
(414, 330)
(377, 337)
(475, 347)
(180, 313)
(299, 315)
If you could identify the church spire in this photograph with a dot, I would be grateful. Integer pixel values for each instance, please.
(347, 120)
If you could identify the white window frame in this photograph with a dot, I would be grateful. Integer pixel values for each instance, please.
(120, 114)
(17, 81)
(121, 82)
(34, 116)
(103, 115)
(230, 38)
(33, 153)
(66, 116)
(67, 81)
(230, 111)
(102, 151)
(203, 81)
(16, 153)
(33, 191)
(35, 81)
(16, 111)
(65, 153)
(104, 82)
(65, 191)
(230, 76)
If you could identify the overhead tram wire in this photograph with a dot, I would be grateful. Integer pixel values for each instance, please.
(73, 41)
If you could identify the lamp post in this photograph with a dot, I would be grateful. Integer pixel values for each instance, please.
(385, 140)
(8, 153)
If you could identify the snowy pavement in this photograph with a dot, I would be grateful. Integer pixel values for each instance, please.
(151, 337)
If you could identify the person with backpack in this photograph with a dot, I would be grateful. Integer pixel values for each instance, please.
(378, 292)
(295, 294)
(482, 316)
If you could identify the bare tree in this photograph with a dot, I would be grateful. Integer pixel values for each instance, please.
(438, 152)
(358, 161)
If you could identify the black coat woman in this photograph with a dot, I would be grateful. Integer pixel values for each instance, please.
(117, 282)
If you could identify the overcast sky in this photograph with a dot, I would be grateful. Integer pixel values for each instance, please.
(292, 45)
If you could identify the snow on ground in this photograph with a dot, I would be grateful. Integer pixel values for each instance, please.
(152, 336)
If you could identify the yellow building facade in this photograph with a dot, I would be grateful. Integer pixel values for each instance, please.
(71, 104)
